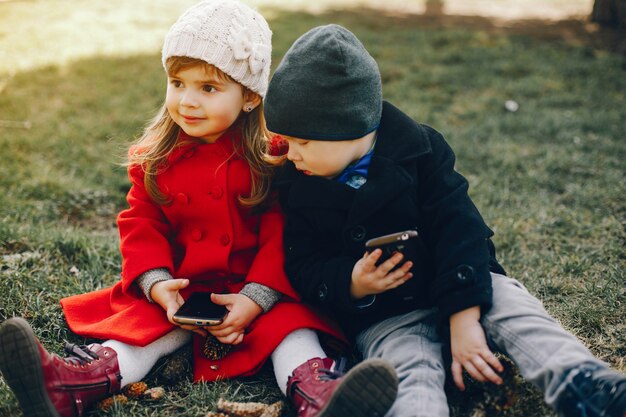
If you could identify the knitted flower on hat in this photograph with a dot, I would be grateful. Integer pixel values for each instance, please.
(227, 34)
(244, 47)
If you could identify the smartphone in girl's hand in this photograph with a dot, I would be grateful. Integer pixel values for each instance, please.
(199, 310)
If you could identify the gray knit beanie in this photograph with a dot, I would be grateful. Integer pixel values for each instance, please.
(327, 87)
(227, 34)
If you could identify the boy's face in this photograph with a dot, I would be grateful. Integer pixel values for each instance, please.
(325, 158)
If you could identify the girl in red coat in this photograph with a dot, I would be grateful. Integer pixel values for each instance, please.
(198, 221)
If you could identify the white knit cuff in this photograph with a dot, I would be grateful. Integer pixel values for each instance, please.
(147, 280)
(264, 296)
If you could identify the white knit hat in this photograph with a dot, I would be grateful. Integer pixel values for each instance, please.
(227, 34)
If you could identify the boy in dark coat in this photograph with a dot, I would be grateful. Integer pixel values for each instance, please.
(359, 168)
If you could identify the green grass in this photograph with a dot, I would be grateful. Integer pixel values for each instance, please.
(548, 178)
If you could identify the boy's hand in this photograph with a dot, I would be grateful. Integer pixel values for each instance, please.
(241, 312)
(167, 295)
(470, 350)
(368, 279)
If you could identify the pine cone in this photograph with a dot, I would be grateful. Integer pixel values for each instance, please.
(177, 367)
(490, 399)
(250, 409)
(108, 402)
(135, 390)
(274, 410)
(503, 397)
(155, 393)
(241, 409)
(213, 349)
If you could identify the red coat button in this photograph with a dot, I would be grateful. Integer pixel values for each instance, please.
(225, 239)
(217, 192)
(182, 198)
(196, 234)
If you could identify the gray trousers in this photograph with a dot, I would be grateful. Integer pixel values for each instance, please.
(517, 324)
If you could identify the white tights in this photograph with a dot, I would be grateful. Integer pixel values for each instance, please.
(298, 347)
(136, 361)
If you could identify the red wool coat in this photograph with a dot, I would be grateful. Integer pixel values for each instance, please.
(206, 236)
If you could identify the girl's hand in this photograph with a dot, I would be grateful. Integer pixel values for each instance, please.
(367, 278)
(241, 312)
(167, 295)
(470, 350)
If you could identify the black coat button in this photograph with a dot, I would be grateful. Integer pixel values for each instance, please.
(464, 274)
(357, 233)
(322, 292)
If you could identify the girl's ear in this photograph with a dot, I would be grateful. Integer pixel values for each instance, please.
(251, 101)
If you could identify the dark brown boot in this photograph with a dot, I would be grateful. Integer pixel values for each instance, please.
(47, 385)
(367, 390)
(594, 392)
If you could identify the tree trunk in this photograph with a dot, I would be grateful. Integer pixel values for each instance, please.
(609, 12)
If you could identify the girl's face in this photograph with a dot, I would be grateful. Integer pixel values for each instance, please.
(203, 105)
(326, 158)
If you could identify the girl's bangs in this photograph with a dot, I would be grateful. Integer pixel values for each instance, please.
(178, 63)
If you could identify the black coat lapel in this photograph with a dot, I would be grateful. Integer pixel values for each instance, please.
(317, 192)
(385, 182)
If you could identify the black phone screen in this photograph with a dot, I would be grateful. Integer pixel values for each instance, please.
(199, 306)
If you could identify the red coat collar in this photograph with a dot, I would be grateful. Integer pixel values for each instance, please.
(186, 145)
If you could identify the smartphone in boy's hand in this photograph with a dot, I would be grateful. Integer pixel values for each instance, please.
(392, 243)
(199, 310)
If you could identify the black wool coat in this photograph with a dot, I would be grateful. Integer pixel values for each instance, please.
(411, 184)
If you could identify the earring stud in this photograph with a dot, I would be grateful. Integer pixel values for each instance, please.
(248, 109)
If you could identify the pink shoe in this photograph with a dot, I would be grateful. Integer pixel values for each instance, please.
(367, 390)
(47, 385)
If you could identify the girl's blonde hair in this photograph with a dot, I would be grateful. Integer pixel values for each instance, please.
(160, 138)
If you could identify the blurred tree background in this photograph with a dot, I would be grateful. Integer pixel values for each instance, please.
(609, 12)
